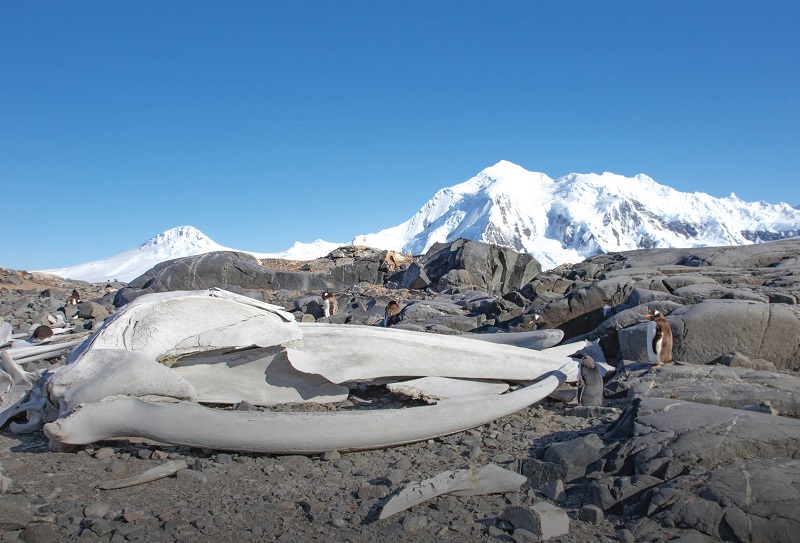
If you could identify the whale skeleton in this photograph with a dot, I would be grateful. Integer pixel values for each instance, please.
(154, 368)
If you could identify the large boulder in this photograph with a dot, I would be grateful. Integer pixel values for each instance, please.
(706, 331)
(242, 272)
(471, 265)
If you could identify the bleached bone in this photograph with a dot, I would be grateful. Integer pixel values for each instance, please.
(27, 404)
(42, 356)
(489, 479)
(33, 423)
(191, 424)
(18, 375)
(100, 373)
(15, 385)
(257, 376)
(197, 321)
(5, 332)
(329, 350)
(537, 340)
(30, 350)
(433, 389)
(159, 472)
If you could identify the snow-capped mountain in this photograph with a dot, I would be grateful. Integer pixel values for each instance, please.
(563, 220)
(174, 243)
(580, 215)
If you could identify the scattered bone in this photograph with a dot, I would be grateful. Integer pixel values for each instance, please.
(5, 333)
(488, 479)
(21, 353)
(159, 472)
(434, 389)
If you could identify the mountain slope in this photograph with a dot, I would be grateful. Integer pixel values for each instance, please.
(174, 243)
(580, 215)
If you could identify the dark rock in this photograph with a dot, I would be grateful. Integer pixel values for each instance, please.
(576, 455)
(92, 310)
(469, 265)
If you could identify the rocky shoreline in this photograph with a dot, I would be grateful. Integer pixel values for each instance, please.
(703, 450)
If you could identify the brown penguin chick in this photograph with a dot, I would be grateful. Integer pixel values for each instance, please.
(659, 339)
(392, 314)
(41, 333)
(329, 304)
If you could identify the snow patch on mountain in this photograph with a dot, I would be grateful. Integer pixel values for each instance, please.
(175, 243)
(580, 215)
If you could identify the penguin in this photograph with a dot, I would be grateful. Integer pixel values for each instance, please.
(329, 305)
(392, 314)
(590, 383)
(659, 339)
(41, 333)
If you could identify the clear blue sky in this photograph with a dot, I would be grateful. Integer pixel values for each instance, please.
(262, 123)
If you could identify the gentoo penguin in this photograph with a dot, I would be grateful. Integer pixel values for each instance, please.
(659, 339)
(329, 305)
(392, 314)
(534, 323)
(590, 383)
(75, 298)
(42, 333)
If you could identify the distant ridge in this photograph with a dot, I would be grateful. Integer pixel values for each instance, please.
(556, 220)
(580, 215)
(174, 243)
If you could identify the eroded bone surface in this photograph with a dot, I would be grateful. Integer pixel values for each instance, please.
(167, 325)
(328, 349)
(489, 479)
(193, 425)
(434, 389)
(258, 376)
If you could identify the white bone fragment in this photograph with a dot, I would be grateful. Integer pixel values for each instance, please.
(257, 376)
(100, 373)
(42, 356)
(159, 472)
(329, 350)
(5, 332)
(168, 325)
(537, 339)
(31, 350)
(488, 479)
(18, 375)
(433, 389)
(193, 425)
(33, 423)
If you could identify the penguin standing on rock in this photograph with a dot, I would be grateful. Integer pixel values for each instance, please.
(659, 339)
(590, 383)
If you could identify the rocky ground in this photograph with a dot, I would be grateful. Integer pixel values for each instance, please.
(706, 449)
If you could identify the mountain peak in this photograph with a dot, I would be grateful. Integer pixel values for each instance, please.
(580, 215)
(504, 167)
(179, 235)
